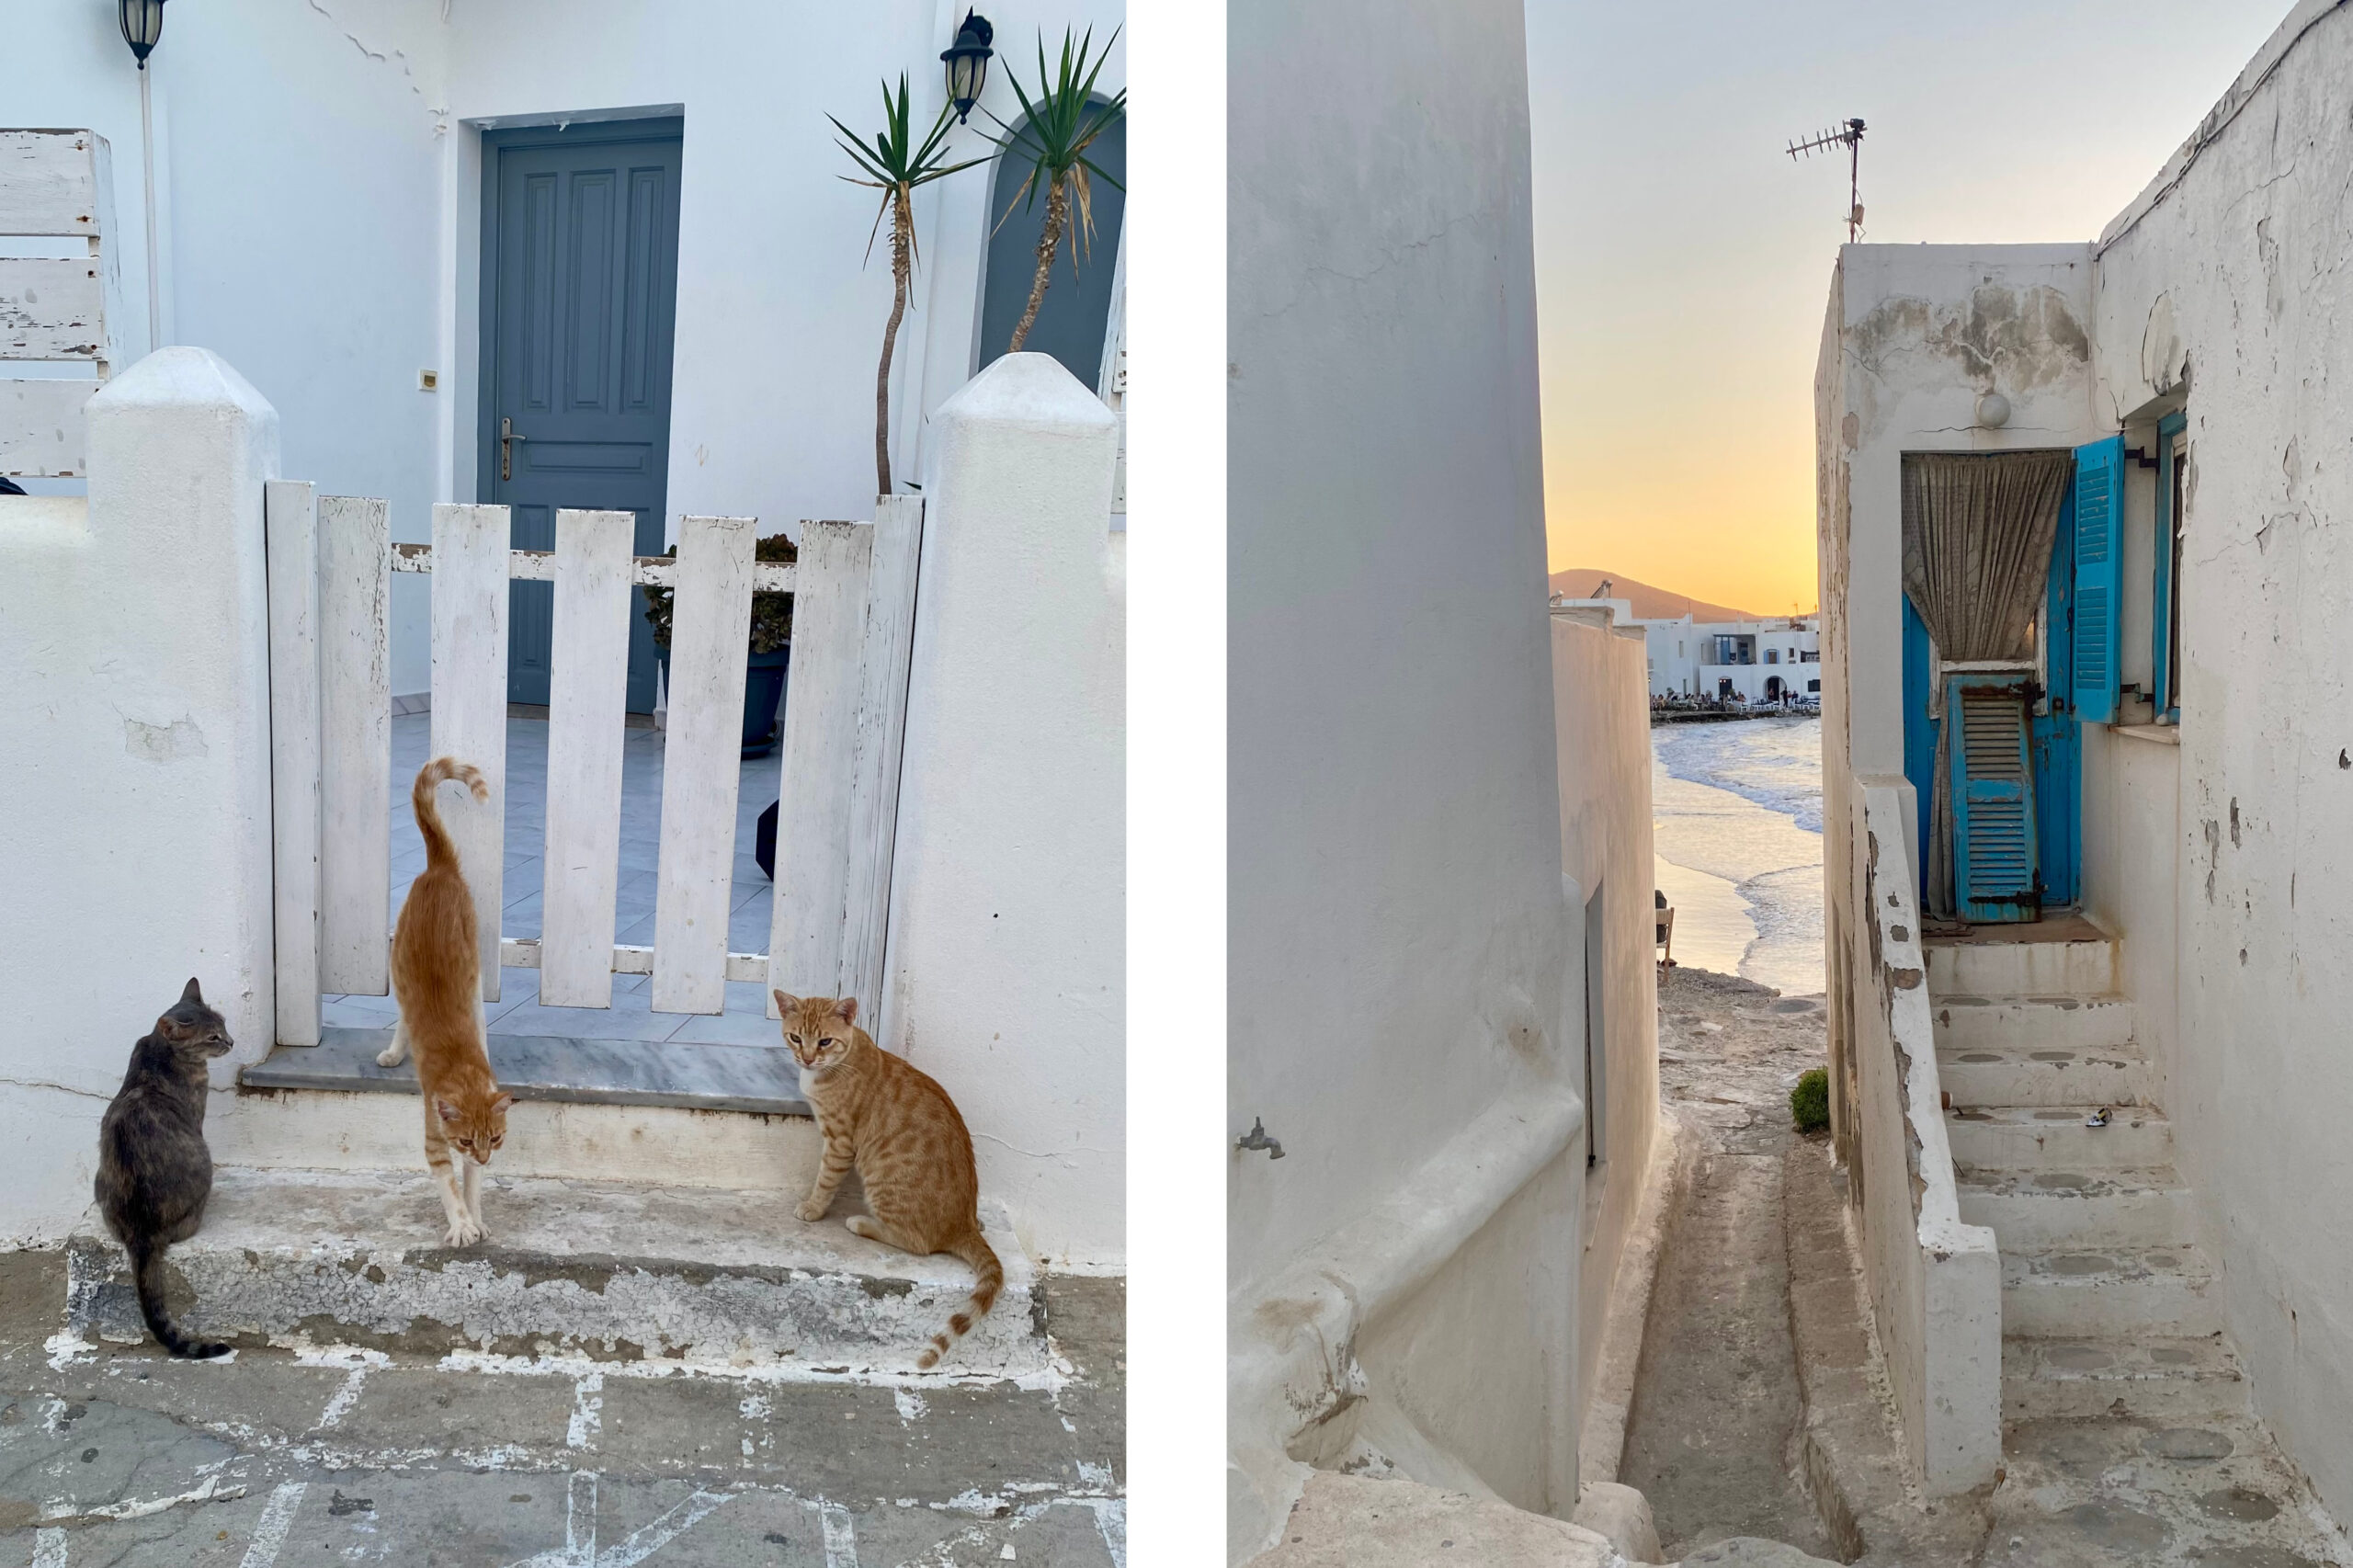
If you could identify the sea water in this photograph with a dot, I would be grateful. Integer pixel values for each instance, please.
(1736, 812)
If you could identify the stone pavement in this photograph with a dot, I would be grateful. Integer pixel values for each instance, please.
(276, 1459)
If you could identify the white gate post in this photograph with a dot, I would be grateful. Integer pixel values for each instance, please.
(180, 449)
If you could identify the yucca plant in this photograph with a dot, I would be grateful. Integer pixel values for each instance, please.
(1058, 126)
(895, 164)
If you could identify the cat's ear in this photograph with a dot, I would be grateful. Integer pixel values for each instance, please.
(449, 1112)
(785, 1003)
(499, 1105)
(846, 1009)
(192, 994)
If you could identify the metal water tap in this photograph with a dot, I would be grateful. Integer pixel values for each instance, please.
(1257, 1138)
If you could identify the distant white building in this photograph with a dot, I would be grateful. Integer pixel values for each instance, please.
(1746, 659)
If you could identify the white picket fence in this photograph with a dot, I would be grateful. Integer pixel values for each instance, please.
(330, 562)
(62, 312)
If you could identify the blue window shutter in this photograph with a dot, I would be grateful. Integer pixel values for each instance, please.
(2099, 498)
(1995, 862)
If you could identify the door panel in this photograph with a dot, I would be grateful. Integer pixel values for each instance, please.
(580, 281)
(1995, 858)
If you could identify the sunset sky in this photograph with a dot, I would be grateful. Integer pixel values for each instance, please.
(1682, 262)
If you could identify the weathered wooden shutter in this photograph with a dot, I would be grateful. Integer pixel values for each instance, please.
(1993, 853)
(2100, 495)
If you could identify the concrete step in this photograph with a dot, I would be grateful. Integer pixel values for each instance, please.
(2134, 1291)
(2040, 1023)
(2038, 1211)
(2157, 1379)
(607, 1270)
(719, 1116)
(2073, 959)
(2054, 1138)
(2033, 1074)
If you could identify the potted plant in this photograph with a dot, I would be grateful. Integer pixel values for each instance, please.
(771, 659)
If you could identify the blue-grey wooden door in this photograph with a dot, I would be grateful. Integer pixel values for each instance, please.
(580, 252)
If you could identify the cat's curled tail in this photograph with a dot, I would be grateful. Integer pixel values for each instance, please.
(147, 1274)
(977, 1252)
(438, 850)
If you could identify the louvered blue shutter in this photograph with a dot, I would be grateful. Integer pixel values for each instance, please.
(2099, 498)
(1994, 852)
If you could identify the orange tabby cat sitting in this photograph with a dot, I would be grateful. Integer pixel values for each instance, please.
(900, 1130)
(436, 976)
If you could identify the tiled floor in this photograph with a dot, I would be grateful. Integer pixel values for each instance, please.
(630, 1017)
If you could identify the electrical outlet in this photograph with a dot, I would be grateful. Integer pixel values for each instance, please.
(428, 380)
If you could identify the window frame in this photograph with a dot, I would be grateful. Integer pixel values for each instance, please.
(2165, 592)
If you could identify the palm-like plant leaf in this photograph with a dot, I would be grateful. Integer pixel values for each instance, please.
(1059, 124)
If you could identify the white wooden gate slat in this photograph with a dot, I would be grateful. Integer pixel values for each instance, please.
(55, 183)
(51, 309)
(469, 545)
(523, 952)
(820, 741)
(40, 428)
(883, 659)
(290, 521)
(588, 714)
(701, 763)
(355, 744)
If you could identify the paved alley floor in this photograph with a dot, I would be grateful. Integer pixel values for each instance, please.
(125, 1456)
(1716, 1397)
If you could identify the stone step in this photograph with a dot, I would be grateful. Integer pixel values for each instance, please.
(2054, 1138)
(2080, 963)
(607, 1270)
(2040, 1023)
(2157, 1379)
(2038, 1211)
(719, 1116)
(2135, 1291)
(2041, 1075)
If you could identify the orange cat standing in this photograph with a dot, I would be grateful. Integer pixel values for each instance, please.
(437, 977)
(899, 1129)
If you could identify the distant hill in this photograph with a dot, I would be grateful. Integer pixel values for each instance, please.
(1650, 604)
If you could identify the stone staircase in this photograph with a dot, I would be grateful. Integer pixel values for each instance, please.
(641, 1209)
(2108, 1306)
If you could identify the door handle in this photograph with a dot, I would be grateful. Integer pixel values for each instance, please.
(506, 439)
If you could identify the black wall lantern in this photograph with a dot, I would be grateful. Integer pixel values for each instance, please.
(142, 27)
(968, 60)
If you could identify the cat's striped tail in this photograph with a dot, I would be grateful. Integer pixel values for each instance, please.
(437, 848)
(977, 1252)
(147, 1276)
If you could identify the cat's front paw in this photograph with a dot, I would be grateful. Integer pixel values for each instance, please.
(463, 1233)
(813, 1211)
(390, 1056)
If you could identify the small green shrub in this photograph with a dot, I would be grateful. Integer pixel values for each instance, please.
(1810, 1101)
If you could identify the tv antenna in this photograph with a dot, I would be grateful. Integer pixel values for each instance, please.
(1850, 136)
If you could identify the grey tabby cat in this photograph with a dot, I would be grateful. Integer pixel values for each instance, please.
(154, 1169)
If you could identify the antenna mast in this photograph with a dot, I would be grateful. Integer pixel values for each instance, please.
(1850, 136)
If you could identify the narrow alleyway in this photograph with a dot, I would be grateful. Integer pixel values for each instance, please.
(1716, 1398)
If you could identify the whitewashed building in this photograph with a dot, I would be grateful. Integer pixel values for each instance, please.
(1747, 660)
(494, 302)
(1441, 1081)
(2086, 761)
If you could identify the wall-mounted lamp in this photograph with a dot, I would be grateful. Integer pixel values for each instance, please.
(142, 27)
(967, 60)
(1993, 410)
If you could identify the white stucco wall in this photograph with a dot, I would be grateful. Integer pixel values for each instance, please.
(1601, 718)
(320, 199)
(2228, 286)
(1008, 955)
(1399, 948)
(134, 752)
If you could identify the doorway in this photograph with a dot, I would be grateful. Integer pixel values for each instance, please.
(579, 280)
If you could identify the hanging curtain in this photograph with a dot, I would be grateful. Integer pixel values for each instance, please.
(1978, 528)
